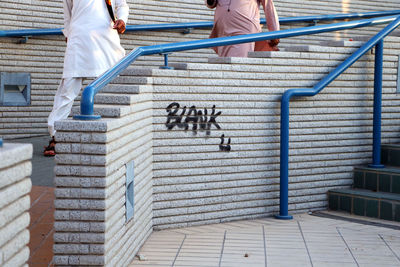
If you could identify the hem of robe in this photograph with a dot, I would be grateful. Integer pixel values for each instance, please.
(80, 74)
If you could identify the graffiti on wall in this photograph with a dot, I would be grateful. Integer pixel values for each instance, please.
(226, 147)
(197, 120)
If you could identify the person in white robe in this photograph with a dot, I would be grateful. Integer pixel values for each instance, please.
(93, 47)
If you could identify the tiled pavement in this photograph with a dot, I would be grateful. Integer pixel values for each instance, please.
(324, 239)
(42, 204)
(41, 226)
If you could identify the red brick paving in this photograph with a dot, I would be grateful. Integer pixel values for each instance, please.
(41, 226)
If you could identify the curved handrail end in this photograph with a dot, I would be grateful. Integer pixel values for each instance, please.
(287, 95)
(87, 101)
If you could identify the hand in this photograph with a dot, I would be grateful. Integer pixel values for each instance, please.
(274, 42)
(119, 25)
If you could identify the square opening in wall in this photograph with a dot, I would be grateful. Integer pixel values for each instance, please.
(15, 89)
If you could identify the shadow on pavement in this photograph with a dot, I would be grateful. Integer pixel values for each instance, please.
(42, 167)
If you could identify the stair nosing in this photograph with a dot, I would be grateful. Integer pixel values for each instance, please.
(367, 193)
(387, 169)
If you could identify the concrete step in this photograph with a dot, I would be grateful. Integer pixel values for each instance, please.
(116, 99)
(379, 180)
(122, 89)
(329, 47)
(107, 111)
(361, 202)
(391, 154)
(128, 79)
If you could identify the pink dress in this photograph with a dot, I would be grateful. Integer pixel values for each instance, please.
(236, 17)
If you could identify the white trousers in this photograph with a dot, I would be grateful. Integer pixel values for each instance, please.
(67, 91)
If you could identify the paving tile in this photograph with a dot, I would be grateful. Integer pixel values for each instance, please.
(36, 193)
(333, 264)
(325, 244)
(44, 255)
(41, 226)
(38, 233)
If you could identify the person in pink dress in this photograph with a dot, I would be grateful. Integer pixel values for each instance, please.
(237, 17)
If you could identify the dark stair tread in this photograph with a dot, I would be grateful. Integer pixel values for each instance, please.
(396, 146)
(388, 169)
(367, 193)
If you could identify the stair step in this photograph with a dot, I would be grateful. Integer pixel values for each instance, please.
(134, 71)
(391, 154)
(132, 80)
(117, 99)
(380, 180)
(106, 111)
(361, 202)
(122, 89)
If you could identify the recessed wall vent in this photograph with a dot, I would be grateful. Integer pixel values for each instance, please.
(15, 89)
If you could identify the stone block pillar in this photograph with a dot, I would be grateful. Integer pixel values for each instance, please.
(15, 186)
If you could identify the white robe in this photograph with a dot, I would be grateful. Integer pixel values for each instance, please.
(93, 45)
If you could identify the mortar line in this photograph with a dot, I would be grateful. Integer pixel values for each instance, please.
(179, 250)
(394, 253)
(265, 246)
(348, 247)
(222, 249)
(305, 243)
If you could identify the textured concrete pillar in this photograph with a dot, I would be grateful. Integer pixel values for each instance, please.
(93, 161)
(15, 186)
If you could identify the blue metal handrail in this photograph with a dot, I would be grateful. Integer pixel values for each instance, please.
(377, 41)
(206, 24)
(93, 88)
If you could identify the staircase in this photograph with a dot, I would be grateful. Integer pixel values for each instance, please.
(375, 192)
(182, 177)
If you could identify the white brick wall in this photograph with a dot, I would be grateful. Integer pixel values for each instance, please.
(90, 226)
(15, 186)
(43, 56)
(196, 183)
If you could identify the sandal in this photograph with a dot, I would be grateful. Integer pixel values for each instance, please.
(50, 150)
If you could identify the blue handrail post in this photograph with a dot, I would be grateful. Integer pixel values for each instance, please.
(87, 109)
(1, 142)
(284, 162)
(166, 67)
(376, 149)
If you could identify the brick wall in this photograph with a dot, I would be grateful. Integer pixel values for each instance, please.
(90, 223)
(15, 185)
(229, 169)
(43, 56)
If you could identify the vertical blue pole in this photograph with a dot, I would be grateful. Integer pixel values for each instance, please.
(166, 62)
(284, 164)
(1, 142)
(376, 149)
